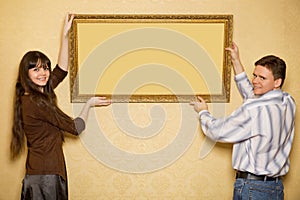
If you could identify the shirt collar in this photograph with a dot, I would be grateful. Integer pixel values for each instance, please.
(271, 94)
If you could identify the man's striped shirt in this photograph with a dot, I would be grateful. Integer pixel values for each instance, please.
(262, 130)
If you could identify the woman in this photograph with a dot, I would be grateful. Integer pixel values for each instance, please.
(38, 118)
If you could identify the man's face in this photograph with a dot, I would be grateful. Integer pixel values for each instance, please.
(263, 80)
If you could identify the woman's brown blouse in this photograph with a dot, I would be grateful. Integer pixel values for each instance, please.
(44, 134)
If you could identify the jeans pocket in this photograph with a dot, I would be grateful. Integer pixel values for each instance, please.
(265, 190)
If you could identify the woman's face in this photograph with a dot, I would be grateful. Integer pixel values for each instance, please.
(39, 74)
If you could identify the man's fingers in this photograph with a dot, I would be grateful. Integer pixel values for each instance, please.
(201, 99)
(71, 18)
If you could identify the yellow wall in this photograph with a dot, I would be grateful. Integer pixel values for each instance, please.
(260, 28)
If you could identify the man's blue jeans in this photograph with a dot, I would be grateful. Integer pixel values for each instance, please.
(258, 190)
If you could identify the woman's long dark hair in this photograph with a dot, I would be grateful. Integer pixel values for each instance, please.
(24, 84)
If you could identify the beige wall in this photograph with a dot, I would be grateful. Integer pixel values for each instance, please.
(260, 28)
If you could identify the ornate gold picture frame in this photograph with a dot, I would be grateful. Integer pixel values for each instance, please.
(150, 58)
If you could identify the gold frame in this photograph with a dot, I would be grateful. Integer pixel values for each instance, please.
(74, 40)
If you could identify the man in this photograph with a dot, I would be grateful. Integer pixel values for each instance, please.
(261, 129)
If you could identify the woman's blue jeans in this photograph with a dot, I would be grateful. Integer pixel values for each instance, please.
(245, 189)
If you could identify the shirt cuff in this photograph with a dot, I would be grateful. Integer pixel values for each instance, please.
(202, 112)
(240, 76)
(79, 124)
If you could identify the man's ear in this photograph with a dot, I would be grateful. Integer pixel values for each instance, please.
(278, 83)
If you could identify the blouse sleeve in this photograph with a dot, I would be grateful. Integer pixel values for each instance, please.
(70, 125)
(43, 117)
(57, 76)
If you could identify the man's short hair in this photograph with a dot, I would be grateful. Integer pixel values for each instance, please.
(275, 64)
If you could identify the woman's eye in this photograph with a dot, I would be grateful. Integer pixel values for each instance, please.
(36, 69)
